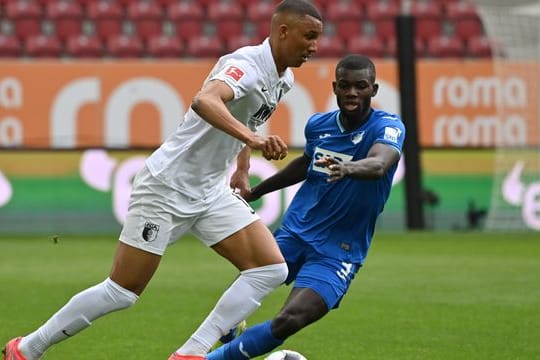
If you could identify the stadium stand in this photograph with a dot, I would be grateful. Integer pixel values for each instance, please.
(228, 18)
(382, 15)
(465, 19)
(10, 46)
(125, 46)
(429, 17)
(25, 16)
(480, 47)
(445, 46)
(146, 18)
(187, 18)
(43, 46)
(259, 14)
(66, 17)
(371, 46)
(330, 46)
(346, 18)
(164, 46)
(107, 18)
(204, 46)
(84, 46)
(186, 27)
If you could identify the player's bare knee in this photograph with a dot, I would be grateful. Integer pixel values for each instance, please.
(287, 323)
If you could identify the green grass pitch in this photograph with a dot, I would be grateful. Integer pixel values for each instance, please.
(420, 296)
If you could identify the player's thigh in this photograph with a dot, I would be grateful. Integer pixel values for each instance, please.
(234, 231)
(293, 250)
(152, 222)
(330, 278)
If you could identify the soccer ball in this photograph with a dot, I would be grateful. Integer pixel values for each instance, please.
(285, 355)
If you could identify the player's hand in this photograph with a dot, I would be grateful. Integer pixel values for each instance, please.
(338, 170)
(272, 147)
(240, 183)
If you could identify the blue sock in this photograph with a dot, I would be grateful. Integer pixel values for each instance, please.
(255, 341)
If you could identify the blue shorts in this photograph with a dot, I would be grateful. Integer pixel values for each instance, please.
(328, 277)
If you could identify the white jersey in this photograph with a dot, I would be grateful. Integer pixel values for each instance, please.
(195, 159)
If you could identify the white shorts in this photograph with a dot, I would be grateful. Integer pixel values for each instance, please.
(159, 215)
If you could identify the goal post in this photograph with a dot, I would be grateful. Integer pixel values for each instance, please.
(514, 26)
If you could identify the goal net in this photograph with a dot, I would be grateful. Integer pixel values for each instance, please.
(515, 27)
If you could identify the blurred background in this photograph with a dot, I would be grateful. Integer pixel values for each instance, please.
(88, 88)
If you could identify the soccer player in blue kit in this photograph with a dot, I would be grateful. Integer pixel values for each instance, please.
(350, 157)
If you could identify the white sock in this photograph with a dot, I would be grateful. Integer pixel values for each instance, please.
(239, 301)
(77, 315)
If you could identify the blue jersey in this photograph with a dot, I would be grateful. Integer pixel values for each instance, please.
(338, 218)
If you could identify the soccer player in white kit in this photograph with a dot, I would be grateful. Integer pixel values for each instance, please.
(183, 187)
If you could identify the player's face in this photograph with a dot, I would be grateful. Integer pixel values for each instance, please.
(300, 40)
(354, 90)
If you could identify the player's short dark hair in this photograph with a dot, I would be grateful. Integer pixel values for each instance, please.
(356, 62)
(299, 7)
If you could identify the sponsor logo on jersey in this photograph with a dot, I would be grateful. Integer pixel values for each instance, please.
(235, 72)
(392, 134)
(321, 153)
(358, 137)
(150, 231)
(261, 115)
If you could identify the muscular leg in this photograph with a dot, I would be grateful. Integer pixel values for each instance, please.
(255, 253)
(303, 307)
(132, 270)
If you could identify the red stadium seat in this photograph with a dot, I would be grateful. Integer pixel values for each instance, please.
(84, 46)
(228, 18)
(371, 46)
(428, 19)
(146, 16)
(66, 16)
(480, 47)
(107, 17)
(163, 46)
(205, 46)
(445, 46)
(260, 14)
(419, 45)
(10, 46)
(330, 46)
(383, 16)
(236, 42)
(465, 18)
(125, 46)
(26, 17)
(187, 18)
(43, 46)
(347, 18)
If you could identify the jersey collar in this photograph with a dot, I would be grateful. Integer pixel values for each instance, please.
(269, 62)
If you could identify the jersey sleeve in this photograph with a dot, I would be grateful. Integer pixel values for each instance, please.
(310, 137)
(391, 132)
(240, 75)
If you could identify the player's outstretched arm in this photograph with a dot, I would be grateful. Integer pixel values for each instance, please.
(291, 174)
(209, 103)
(379, 160)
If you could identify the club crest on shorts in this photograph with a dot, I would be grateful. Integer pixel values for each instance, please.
(150, 231)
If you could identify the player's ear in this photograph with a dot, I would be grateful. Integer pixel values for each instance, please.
(334, 84)
(375, 89)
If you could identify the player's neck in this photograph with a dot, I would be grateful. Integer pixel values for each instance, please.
(351, 123)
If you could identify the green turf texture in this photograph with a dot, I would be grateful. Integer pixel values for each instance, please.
(420, 296)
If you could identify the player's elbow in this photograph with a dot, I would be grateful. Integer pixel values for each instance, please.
(196, 103)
